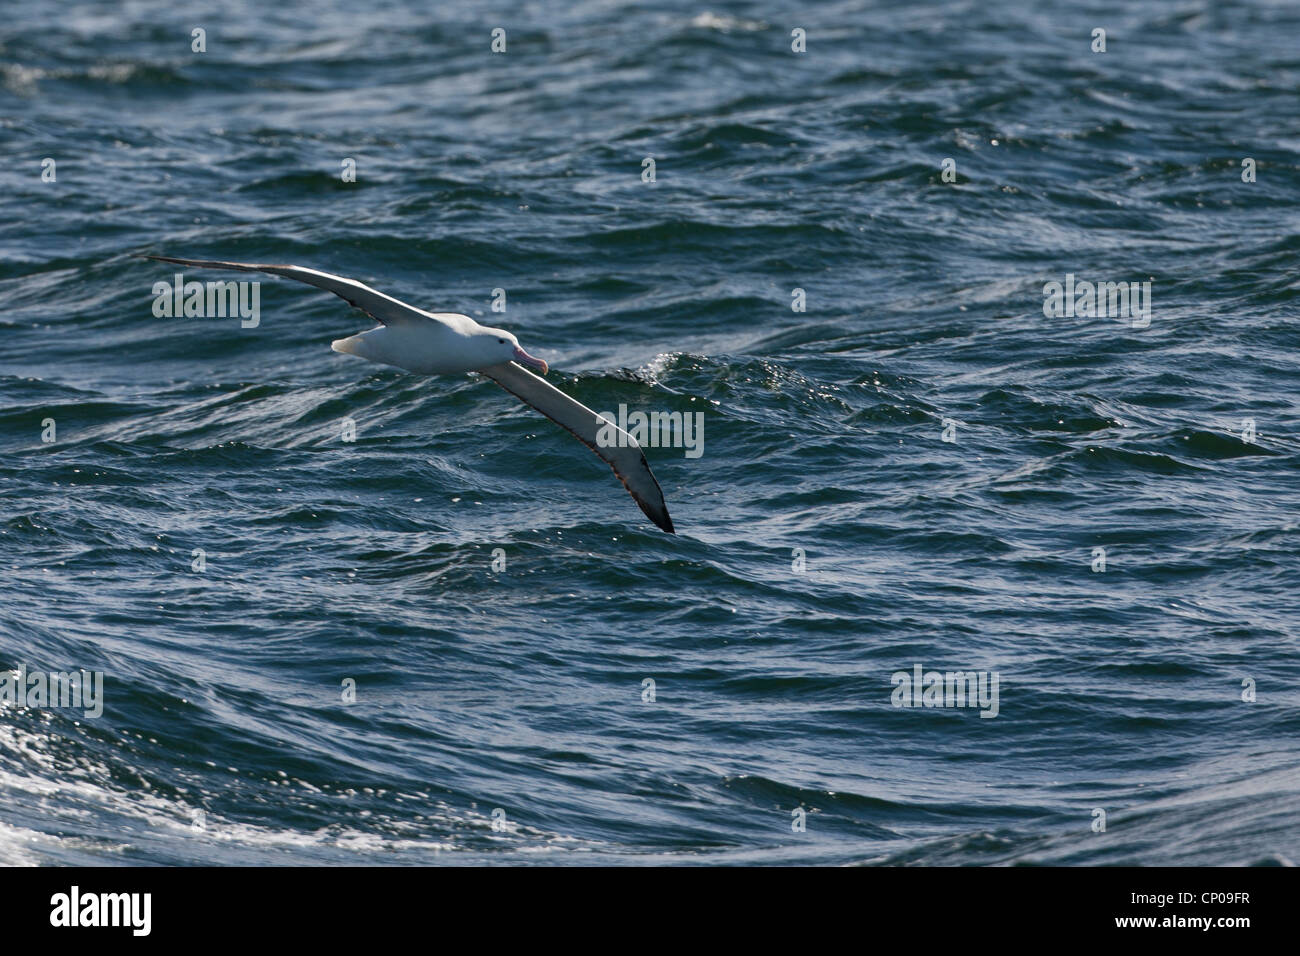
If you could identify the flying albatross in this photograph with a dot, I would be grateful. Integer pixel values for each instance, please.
(446, 343)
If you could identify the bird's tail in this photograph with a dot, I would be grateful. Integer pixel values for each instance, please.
(352, 345)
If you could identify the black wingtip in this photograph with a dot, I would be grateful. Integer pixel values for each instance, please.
(658, 515)
(656, 511)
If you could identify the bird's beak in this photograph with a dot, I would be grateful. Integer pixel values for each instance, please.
(525, 359)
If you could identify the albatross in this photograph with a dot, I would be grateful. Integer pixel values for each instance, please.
(447, 343)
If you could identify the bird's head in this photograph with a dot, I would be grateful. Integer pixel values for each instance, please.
(504, 347)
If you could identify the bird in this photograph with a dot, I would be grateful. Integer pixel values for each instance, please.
(448, 343)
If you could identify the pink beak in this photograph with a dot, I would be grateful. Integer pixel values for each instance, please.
(525, 359)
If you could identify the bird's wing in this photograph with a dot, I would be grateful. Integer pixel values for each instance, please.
(628, 461)
(380, 307)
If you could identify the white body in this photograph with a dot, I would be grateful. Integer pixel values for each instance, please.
(445, 344)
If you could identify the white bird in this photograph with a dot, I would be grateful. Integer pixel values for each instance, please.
(447, 343)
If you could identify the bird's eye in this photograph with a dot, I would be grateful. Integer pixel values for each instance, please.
(502, 341)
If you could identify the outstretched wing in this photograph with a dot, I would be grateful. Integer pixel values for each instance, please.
(380, 307)
(628, 462)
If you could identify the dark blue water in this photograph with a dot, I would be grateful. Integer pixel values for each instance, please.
(224, 736)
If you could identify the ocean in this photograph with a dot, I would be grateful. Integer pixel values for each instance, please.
(987, 553)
